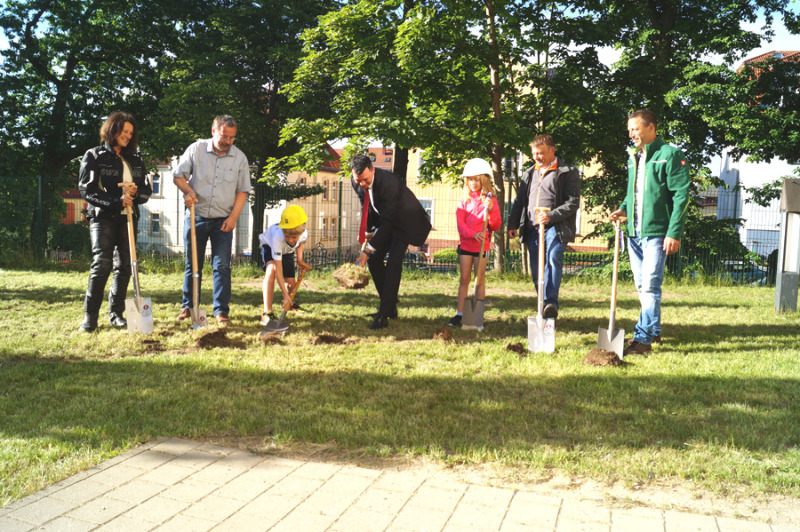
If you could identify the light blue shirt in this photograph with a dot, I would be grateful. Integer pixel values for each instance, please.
(215, 179)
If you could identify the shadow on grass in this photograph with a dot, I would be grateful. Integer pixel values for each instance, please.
(89, 402)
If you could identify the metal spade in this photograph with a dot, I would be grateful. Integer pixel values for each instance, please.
(541, 330)
(612, 339)
(473, 308)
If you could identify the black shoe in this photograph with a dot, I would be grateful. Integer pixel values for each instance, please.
(379, 323)
(455, 321)
(89, 323)
(391, 316)
(267, 317)
(550, 311)
(116, 320)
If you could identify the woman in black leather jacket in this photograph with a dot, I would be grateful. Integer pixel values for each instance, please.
(102, 169)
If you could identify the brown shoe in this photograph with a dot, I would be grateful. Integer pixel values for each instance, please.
(185, 313)
(222, 319)
(657, 340)
(637, 348)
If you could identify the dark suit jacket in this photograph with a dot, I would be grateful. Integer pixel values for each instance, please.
(401, 213)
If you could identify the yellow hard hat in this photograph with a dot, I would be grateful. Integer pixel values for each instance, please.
(292, 216)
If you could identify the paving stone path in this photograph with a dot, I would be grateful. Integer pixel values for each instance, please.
(181, 485)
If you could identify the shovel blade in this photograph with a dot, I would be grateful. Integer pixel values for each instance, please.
(611, 340)
(199, 318)
(273, 326)
(473, 314)
(541, 334)
(139, 312)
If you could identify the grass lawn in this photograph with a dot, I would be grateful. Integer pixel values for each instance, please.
(718, 404)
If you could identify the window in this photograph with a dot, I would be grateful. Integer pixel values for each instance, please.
(334, 187)
(372, 157)
(156, 183)
(332, 232)
(155, 223)
(388, 159)
(301, 181)
(325, 190)
(427, 204)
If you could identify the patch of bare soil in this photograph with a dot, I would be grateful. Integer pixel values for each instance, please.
(778, 510)
(517, 348)
(271, 337)
(602, 357)
(151, 345)
(322, 339)
(351, 276)
(444, 334)
(208, 338)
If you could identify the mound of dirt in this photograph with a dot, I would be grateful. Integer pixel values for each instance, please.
(351, 276)
(517, 348)
(321, 339)
(444, 334)
(271, 337)
(208, 338)
(601, 357)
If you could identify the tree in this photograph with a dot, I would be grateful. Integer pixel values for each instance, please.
(702, 107)
(68, 65)
(173, 65)
(459, 79)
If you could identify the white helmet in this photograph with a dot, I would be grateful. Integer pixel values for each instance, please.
(476, 167)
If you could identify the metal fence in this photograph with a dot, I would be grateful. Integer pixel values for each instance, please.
(732, 239)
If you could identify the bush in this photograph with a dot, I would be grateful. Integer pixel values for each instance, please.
(69, 237)
(446, 256)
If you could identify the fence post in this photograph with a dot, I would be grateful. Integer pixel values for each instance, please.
(38, 245)
(339, 228)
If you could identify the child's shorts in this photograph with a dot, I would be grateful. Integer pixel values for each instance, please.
(469, 253)
(287, 260)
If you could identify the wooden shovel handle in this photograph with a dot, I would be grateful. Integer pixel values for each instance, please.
(288, 304)
(614, 277)
(129, 214)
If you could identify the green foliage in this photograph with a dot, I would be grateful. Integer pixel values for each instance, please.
(72, 237)
(446, 256)
(707, 243)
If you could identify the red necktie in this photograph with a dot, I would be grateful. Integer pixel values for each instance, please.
(362, 231)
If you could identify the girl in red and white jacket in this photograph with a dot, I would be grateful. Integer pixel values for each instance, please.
(474, 205)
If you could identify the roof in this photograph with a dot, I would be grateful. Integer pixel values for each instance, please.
(779, 55)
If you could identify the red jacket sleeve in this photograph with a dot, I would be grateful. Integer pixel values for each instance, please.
(495, 219)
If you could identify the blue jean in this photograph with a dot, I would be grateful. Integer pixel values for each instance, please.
(553, 262)
(205, 229)
(647, 257)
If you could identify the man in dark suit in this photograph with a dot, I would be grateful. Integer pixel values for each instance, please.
(398, 219)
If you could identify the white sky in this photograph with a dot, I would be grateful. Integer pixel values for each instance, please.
(783, 40)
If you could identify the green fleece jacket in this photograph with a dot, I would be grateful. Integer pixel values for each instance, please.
(666, 191)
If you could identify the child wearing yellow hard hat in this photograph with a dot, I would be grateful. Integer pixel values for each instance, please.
(279, 244)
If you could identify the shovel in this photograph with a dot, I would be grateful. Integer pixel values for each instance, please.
(198, 315)
(139, 310)
(473, 308)
(282, 326)
(613, 339)
(541, 331)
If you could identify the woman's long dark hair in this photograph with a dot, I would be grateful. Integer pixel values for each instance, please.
(113, 126)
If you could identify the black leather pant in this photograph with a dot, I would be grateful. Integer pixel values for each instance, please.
(109, 250)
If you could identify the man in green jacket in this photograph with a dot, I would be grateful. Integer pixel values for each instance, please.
(655, 205)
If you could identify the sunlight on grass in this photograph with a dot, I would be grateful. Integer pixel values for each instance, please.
(717, 404)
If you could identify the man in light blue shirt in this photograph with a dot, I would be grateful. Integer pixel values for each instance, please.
(214, 176)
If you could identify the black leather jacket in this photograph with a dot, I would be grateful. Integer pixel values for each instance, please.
(100, 174)
(568, 199)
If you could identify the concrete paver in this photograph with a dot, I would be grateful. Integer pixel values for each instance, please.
(176, 484)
